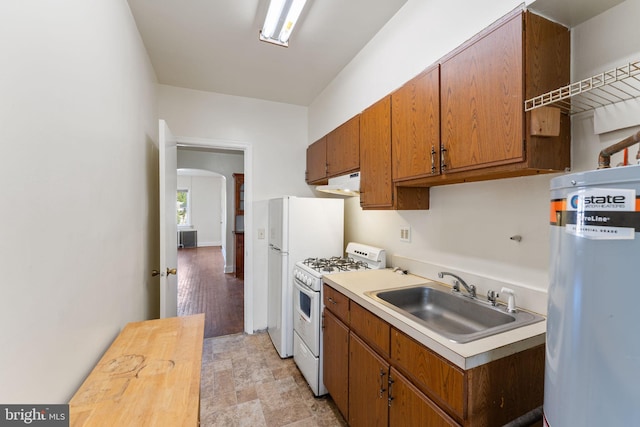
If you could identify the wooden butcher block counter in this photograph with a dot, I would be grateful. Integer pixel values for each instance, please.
(149, 376)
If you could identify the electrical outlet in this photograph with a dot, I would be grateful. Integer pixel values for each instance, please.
(405, 234)
(260, 233)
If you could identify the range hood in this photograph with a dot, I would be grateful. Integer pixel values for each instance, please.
(345, 185)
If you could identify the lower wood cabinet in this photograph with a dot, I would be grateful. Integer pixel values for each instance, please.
(336, 362)
(379, 376)
(368, 385)
(443, 382)
(411, 408)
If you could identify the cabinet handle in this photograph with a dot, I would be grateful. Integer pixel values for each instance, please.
(382, 389)
(443, 164)
(390, 398)
(433, 160)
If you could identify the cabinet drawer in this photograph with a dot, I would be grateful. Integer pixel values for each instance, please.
(370, 328)
(410, 407)
(336, 302)
(441, 381)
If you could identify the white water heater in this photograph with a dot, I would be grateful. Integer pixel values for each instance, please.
(592, 375)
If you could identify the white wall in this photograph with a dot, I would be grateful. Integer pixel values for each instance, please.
(225, 164)
(605, 42)
(78, 167)
(277, 134)
(205, 194)
(468, 226)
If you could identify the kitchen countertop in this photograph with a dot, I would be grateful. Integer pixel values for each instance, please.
(466, 356)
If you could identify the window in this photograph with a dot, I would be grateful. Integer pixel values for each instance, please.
(183, 208)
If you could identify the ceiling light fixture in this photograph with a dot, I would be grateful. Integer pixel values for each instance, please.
(281, 18)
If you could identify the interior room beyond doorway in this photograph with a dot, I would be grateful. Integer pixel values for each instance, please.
(204, 287)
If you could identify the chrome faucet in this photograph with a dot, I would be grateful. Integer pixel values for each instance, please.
(471, 289)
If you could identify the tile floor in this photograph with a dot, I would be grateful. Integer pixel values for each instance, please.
(245, 383)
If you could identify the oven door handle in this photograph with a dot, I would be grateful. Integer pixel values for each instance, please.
(304, 289)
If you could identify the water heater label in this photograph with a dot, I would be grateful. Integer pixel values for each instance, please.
(602, 199)
(598, 213)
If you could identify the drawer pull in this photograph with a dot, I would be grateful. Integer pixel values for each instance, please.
(443, 163)
(382, 389)
(433, 160)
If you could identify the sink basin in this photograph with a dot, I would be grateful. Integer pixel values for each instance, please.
(457, 317)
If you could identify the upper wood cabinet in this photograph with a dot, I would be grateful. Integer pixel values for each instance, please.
(377, 190)
(376, 186)
(460, 120)
(484, 129)
(317, 162)
(415, 115)
(343, 148)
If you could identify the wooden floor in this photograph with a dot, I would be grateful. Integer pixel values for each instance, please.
(203, 287)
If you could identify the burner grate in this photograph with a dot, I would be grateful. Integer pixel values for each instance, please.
(328, 265)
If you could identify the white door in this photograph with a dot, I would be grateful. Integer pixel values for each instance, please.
(168, 225)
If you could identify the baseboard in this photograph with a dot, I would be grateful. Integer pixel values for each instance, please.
(203, 244)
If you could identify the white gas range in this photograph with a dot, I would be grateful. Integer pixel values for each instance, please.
(307, 305)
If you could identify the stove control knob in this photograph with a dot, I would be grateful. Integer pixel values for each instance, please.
(309, 281)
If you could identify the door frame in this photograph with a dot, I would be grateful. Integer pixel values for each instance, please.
(247, 149)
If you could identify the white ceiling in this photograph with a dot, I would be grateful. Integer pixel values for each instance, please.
(213, 45)
(572, 12)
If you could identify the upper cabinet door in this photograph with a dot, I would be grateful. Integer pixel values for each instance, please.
(343, 148)
(376, 187)
(317, 162)
(482, 100)
(416, 126)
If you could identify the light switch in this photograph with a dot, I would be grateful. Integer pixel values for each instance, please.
(405, 234)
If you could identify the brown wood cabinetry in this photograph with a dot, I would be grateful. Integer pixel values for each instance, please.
(368, 385)
(377, 190)
(343, 148)
(336, 302)
(483, 86)
(238, 230)
(462, 119)
(376, 186)
(416, 127)
(411, 408)
(370, 328)
(441, 381)
(239, 244)
(317, 162)
(238, 179)
(336, 362)
(394, 380)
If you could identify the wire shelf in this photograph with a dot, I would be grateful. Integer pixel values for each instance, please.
(619, 84)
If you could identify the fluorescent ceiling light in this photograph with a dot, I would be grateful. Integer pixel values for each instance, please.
(281, 18)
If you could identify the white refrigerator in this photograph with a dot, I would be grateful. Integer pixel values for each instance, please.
(593, 344)
(299, 228)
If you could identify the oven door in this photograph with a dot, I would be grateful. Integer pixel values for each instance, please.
(306, 315)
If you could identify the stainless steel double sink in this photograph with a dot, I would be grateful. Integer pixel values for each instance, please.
(457, 317)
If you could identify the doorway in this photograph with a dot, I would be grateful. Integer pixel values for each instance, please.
(204, 287)
(198, 148)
